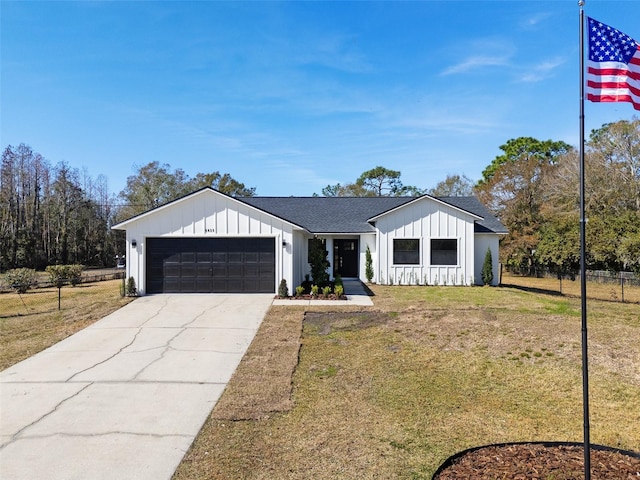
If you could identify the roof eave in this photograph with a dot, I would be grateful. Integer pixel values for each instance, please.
(122, 225)
(437, 200)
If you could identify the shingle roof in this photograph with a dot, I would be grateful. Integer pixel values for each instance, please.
(351, 214)
(328, 214)
(489, 224)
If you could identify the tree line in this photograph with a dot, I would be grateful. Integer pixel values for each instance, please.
(55, 214)
(533, 187)
(60, 215)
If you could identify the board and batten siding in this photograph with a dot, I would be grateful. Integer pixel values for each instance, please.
(425, 220)
(484, 241)
(210, 214)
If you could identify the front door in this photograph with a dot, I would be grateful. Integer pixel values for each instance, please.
(345, 258)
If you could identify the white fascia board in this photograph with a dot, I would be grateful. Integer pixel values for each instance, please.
(123, 225)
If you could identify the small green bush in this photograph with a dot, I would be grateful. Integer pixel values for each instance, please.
(60, 274)
(314, 290)
(131, 288)
(339, 291)
(368, 262)
(299, 290)
(75, 274)
(326, 291)
(283, 289)
(487, 268)
(20, 279)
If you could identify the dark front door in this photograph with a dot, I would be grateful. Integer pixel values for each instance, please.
(345, 258)
(210, 265)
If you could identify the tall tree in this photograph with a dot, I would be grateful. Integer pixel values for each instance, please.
(612, 158)
(453, 186)
(224, 183)
(155, 184)
(347, 190)
(511, 186)
(618, 146)
(377, 182)
(23, 176)
(383, 182)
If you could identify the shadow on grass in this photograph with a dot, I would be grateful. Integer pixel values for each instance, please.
(543, 291)
(367, 290)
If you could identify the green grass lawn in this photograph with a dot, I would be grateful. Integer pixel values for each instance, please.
(392, 391)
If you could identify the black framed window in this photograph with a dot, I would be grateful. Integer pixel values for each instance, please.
(406, 251)
(444, 251)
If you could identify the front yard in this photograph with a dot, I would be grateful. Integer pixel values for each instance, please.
(392, 391)
(31, 322)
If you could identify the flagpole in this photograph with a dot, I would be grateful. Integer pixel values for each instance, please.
(583, 264)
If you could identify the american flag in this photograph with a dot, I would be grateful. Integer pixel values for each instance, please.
(613, 68)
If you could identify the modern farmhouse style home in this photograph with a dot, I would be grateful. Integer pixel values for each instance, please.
(209, 242)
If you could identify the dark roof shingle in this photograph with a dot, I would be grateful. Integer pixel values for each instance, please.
(351, 214)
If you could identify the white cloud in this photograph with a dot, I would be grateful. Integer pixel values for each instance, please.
(534, 20)
(480, 53)
(542, 71)
(479, 61)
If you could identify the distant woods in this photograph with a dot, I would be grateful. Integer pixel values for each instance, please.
(55, 214)
(51, 214)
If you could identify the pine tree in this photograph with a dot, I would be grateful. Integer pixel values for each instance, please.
(487, 268)
(368, 265)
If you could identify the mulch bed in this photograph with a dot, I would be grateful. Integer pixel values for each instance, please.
(539, 461)
(309, 297)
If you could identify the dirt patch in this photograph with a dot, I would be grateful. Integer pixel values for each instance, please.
(325, 323)
(540, 461)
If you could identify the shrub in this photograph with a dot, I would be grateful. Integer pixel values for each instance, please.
(283, 290)
(326, 291)
(368, 265)
(318, 262)
(299, 290)
(75, 274)
(487, 268)
(59, 274)
(314, 290)
(337, 280)
(131, 289)
(20, 279)
(339, 291)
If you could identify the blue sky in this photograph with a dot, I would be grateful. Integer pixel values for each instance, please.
(289, 97)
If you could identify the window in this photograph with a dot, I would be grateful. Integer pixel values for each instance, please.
(444, 251)
(406, 251)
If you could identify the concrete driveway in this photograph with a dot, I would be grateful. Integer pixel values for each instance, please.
(125, 397)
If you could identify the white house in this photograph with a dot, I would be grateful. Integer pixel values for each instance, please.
(210, 242)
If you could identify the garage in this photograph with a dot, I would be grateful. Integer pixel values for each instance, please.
(211, 265)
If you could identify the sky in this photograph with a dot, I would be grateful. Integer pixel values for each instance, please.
(289, 97)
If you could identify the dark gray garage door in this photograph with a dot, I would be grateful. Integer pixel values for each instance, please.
(210, 265)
